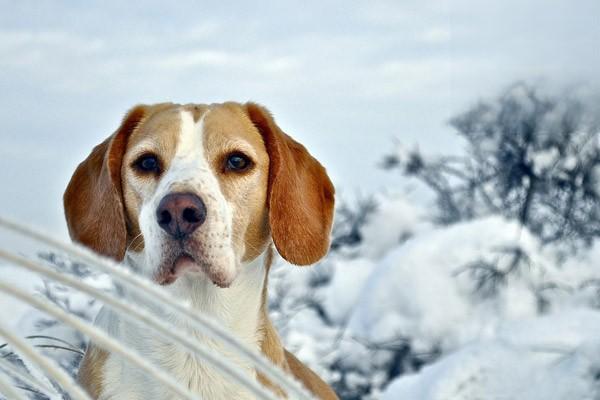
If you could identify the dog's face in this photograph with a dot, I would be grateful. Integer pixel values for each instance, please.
(199, 190)
(194, 187)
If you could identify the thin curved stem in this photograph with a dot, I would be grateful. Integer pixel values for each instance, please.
(137, 314)
(9, 390)
(152, 294)
(95, 334)
(26, 378)
(50, 367)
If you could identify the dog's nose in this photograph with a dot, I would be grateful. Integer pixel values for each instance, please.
(180, 214)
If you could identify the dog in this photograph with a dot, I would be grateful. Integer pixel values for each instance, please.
(195, 197)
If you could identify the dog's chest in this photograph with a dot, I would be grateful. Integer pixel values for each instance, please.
(237, 308)
(125, 382)
(192, 373)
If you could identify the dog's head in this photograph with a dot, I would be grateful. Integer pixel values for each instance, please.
(200, 188)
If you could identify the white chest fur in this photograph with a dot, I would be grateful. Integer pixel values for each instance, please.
(237, 308)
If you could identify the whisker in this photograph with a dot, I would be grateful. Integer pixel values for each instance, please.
(133, 242)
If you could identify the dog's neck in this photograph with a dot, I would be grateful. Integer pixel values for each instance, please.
(237, 308)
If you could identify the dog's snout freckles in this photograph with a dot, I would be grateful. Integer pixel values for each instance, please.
(180, 214)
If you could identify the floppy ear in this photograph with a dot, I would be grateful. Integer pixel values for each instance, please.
(93, 199)
(300, 194)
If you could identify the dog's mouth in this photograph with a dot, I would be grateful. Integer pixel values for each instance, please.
(170, 271)
(184, 263)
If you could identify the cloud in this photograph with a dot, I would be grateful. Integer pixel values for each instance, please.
(436, 35)
(343, 78)
(198, 58)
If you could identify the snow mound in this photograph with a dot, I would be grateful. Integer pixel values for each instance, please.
(555, 357)
(424, 290)
(473, 310)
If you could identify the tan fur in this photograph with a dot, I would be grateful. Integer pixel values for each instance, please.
(271, 345)
(290, 199)
(273, 349)
(227, 130)
(310, 380)
(158, 134)
(91, 373)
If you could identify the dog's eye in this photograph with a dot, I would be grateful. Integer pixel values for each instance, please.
(237, 162)
(147, 163)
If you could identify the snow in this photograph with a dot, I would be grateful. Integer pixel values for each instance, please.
(421, 290)
(396, 220)
(12, 311)
(545, 159)
(410, 313)
(420, 299)
(341, 295)
(570, 163)
(555, 357)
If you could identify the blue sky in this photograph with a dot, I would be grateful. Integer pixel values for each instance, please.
(344, 78)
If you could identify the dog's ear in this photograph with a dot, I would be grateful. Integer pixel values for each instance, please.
(300, 194)
(93, 200)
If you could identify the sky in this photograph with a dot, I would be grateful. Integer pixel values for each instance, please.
(347, 79)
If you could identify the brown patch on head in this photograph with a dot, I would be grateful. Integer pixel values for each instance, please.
(197, 110)
(227, 130)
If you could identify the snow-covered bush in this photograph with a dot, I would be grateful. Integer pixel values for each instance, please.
(370, 319)
(501, 248)
(531, 157)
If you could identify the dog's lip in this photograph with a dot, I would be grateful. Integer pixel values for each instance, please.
(183, 262)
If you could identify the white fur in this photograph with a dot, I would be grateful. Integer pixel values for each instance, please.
(236, 307)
